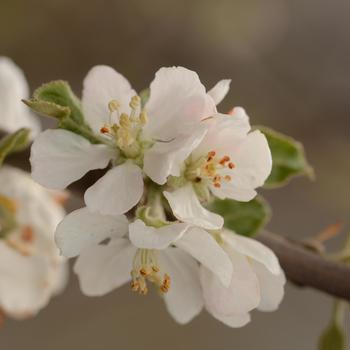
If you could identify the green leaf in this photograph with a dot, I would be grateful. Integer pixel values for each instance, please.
(60, 93)
(45, 108)
(333, 338)
(14, 143)
(245, 218)
(288, 158)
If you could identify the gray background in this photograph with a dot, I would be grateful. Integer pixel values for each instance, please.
(289, 64)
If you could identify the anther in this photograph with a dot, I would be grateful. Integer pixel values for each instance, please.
(143, 118)
(27, 234)
(211, 155)
(113, 106)
(197, 179)
(155, 268)
(104, 130)
(124, 120)
(135, 101)
(228, 177)
(224, 160)
(231, 165)
(217, 185)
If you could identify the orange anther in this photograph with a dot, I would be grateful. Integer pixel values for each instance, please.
(27, 234)
(231, 165)
(104, 130)
(217, 185)
(224, 159)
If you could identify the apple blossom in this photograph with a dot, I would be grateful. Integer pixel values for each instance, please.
(13, 88)
(152, 140)
(230, 162)
(165, 256)
(31, 269)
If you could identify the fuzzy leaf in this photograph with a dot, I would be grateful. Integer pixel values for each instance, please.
(245, 218)
(288, 158)
(14, 142)
(333, 338)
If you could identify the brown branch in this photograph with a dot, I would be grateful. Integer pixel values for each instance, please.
(302, 266)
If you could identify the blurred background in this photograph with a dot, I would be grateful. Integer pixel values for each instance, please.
(289, 61)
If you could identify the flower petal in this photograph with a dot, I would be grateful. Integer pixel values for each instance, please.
(102, 85)
(60, 276)
(117, 191)
(271, 287)
(24, 283)
(203, 247)
(187, 208)
(148, 237)
(253, 165)
(60, 157)
(243, 294)
(13, 88)
(220, 90)
(177, 97)
(184, 299)
(167, 158)
(254, 250)
(234, 321)
(81, 229)
(102, 268)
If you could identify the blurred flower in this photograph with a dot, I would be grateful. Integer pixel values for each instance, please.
(31, 269)
(14, 87)
(156, 138)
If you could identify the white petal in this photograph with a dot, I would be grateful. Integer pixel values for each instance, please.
(167, 158)
(184, 299)
(81, 229)
(60, 276)
(243, 294)
(117, 191)
(271, 287)
(23, 283)
(254, 250)
(177, 97)
(13, 88)
(60, 157)
(102, 268)
(220, 90)
(203, 247)
(102, 85)
(234, 321)
(253, 165)
(148, 237)
(187, 208)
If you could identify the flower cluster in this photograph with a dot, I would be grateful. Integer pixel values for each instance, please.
(31, 268)
(146, 220)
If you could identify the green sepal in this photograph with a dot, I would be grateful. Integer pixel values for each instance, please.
(144, 95)
(14, 142)
(144, 213)
(244, 218)
(288, 158)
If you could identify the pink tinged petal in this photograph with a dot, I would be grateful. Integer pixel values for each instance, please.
(167, 158)
(253, 165)
(184, 299)
(13, 88)
(117, 191)
(177, 97)
(220, 90)
(60, 157)
(234, 321)
(149, 237)
(203, 247)
(187, 208)
(102, 85)
(102, 268)
(271, 287)
(243, 294)
(225, 134)
(24, 283)
(254, 250)
(81, 229)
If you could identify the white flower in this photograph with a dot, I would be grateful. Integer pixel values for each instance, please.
(230, 162)
(166, 256)
(31, 269)
(257, 281)
(14, 87)
(156, 139)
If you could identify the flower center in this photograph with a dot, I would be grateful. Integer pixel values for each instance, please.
(146, 269)
(208, 169)
(126, 132)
